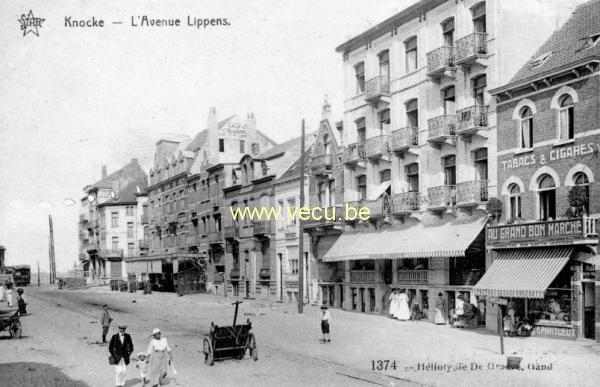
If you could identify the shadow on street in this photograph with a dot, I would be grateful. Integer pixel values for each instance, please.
(25, 374)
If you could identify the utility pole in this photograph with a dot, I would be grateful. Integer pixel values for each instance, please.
(301, 241)
(38, 265)
(52, 263)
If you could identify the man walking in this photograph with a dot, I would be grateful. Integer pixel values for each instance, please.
(105, 320)
(120, 348)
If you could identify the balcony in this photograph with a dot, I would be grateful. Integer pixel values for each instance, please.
(144, 244)
(405, 138)
(291, 231)
(440, 63)
(216, 201)
(378, 207)
(377, 146)
(232, 232)
(264, 274)
(335, 212)
(471, 120)
(471, 192)
(440, 129)
(111, 253)
(376, 88)
(441, 197)
(234, 273)
(471, 48)
(215, 237)
(365, 276)
(353, 154)
(262, 227)
(412, 276)
(405, 202)
(193, 239)
(321, 163)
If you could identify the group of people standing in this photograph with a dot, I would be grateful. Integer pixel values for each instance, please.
(399, 305)
(152, 364)
(6, 295)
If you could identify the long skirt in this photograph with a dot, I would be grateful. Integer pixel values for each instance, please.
(403, 311)
(439, 317)
(159, 363)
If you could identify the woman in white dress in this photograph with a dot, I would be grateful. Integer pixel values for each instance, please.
(160, 356)
(403, 310)
(394, 303)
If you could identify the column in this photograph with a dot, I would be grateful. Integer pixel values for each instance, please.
(576, 300)
(597, 306)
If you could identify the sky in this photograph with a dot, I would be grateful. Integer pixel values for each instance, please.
(73, 99)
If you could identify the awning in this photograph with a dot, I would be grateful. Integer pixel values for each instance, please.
(523, 273)
(145, 266)
(593, 260)
(379, 190)
(448, 240)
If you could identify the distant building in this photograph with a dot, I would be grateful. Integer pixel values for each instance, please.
(110, 222)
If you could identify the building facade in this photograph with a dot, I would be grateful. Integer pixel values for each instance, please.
(418, 148)
(542, 253)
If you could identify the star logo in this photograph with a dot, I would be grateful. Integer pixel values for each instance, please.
(30, 23)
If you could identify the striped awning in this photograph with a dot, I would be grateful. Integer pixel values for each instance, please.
(448, 240)
(523, 273)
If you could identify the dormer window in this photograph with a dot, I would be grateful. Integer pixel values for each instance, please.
(592, 40)
(540, 60)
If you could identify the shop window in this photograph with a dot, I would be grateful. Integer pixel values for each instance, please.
(514, 202)
(547, 198)
(359, 76)
(410, 49)
(412, 176)
(478, 12)
(449, 101)
(449, 163)
(412, 113)
(526, 128)
(565, 118)
(448, 32)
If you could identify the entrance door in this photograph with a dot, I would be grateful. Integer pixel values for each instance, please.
(248, 289)
(362, 300)
(589, 311)
(451, 303)
(115, 269)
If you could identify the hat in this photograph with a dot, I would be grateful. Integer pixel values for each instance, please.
(122, 326)
(155, 331)
(142, 354)
(324, 306)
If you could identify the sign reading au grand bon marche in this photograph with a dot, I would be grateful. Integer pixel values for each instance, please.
(540, 231)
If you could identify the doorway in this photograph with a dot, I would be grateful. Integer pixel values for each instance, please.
(362, 300)
(589, 310)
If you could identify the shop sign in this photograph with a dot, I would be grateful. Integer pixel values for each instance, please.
(234, 129)
(542, 158)
(559, 332)
(551, 230)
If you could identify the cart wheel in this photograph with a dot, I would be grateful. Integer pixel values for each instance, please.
(208, 352)
(16, 329)
(252, 347)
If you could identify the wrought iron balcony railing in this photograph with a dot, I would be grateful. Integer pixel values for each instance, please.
(377, 87)
(232, 232)
(471, 47)
(377, 145)
(472, 191)
(440, 60)
(354, 153)
(442, 196)
(472, 119)
(321, 163)
(405, 202)
(440, 128)
(404, 138)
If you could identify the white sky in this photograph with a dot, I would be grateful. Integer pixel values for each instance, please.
(75, 98)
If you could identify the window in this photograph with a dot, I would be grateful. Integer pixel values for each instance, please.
(322, 194)
(242, 146)
(130, 249)
(361, 131)
(330, 194)
(326, 145)
(359, 75)
(514, 202)
(385, 175)
(255, 148)
(540, 60)
(384, 121)
(129, 210)
(479, 85)
(448, 96)
(384, 63)
(361, 187)
(130, 230)
(412, 176)
(581, 179)
(565, 118)
(481, 164)
(478, 12)
(293, 266)
(114, 217)
(547, 197)
(410, 48)
(292, 204)
(448, 32)
(412, 113)
(449, 163)
(591, 41)
(221, 145)
(526, 128)
(115, 243)
(244, 174)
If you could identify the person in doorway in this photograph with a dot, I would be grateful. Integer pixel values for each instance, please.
(120, 348)
(441, 310)
(394, 303)
(325, 319)
(555, 310)
(105, 321)
(459, 310)
(21, 302)
(160, 356)
(403, 310)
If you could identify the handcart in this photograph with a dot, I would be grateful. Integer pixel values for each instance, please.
(10, 320)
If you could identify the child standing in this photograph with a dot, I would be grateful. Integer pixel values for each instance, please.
(325, 319)
(142, 366)
(21, 302)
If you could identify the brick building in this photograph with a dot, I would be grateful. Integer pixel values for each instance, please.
(544, 247)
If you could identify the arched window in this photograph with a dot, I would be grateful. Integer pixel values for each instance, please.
(565, 118)
(547, 197)
(514, 202)
(526, 127)
(244, 174)
(581, 179)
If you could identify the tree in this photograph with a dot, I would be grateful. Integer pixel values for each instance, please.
(578, 201)
(494, 207)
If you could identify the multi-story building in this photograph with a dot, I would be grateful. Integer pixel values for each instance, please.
(544, 247)
(183, 197)
(110, 222)
(252, 269)
(419, 146)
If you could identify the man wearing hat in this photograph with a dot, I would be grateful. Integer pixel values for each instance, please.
(120, 348)
(325, 318)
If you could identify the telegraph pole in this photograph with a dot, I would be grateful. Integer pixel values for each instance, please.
(301, 241)
(38, 265)
(52, 264)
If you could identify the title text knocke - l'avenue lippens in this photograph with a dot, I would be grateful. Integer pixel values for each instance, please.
(147, 21)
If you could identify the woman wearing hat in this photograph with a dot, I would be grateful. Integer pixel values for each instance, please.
(160, 355)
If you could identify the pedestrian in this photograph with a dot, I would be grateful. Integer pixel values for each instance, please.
(9, 295)
(2, 293)
(142, 366)
(105, 320)
(325, 320)
(441, 310)
(394, 303)
(403, 310)
(21, 302)
(120, 348)
(160, 356)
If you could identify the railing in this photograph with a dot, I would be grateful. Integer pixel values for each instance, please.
(214, 237)
(377, 86)
(442, 196)
(353, 153)
(321, 162)
(291, 230)
(405, 138)
(377, 145)
(362, 276)
(377, 207)
(405, 202)
(412, 276)
(264, 274)
(440, 59)
(471, 46)
(472, 118)
(441, 127)
(262, 227)
(472, 191)
(232, 232)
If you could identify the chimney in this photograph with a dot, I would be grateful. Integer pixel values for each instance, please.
(212, 135)
(252, 137)
(103, 171)
(134, 161)
(326, 113)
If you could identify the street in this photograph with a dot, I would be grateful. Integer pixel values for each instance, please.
(60, 346)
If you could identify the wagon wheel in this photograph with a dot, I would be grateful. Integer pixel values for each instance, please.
(208, 352)
(15, 329)
(252, 347)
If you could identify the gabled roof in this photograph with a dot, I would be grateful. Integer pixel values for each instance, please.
(127, 194)
(129, 172)
(567, 45)
(286, 155)
(294, 170)
(200, 138)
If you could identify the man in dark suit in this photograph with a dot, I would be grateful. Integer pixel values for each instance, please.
(120, 348)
